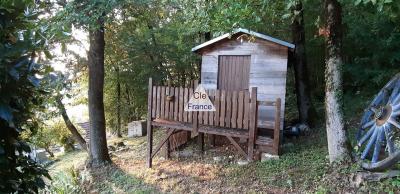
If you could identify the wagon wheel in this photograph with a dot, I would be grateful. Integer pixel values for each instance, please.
(378, 138)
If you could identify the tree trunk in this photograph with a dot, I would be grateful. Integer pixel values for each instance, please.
(304, 104)
(98, 141)
(118, 104)
(71, 127)
(335, 125)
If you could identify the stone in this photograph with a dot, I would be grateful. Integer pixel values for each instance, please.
(266, 157)
(242, 162)
(217, 158)
(186, 153)
(137, 128)
(41, 156)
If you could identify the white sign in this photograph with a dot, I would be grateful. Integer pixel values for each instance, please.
(199, 101)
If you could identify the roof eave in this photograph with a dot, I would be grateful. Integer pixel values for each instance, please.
(256, 34)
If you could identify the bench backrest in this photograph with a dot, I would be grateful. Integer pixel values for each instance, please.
(234, 109)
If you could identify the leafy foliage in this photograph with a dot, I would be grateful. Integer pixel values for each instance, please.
(71, 181)
(50, 134)
(139, 46)
(370, 30)
(21, 42)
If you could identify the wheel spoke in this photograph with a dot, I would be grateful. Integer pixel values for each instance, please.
(395, 114)
(374, 109)
(386, 96)
(378, 99)
(394, 122)
(366, 135)
(366, 116)
(389, 142)
(396, 107)
(369, 145)
(378, 145)
(368, 124)
(396, 99)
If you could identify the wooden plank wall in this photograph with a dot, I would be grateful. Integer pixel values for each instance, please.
(268, 71)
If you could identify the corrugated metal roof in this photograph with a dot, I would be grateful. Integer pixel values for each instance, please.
(241, 30)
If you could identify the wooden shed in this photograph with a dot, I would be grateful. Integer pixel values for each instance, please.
(244, 59)
(244, 74)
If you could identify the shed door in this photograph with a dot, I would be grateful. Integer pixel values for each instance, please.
(233, 72)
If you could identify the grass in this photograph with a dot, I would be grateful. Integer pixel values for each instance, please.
(300, 167)
(302, 164)
(66, 161)
(112, 179)
(69, 175)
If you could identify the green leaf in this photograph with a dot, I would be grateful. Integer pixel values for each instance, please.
(286, 16)
(63, 47)
(48, 54)
(357, 2)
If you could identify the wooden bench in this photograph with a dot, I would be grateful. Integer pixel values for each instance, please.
(235, 117)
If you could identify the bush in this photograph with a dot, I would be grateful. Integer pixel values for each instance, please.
(51, 134)
(71, 181)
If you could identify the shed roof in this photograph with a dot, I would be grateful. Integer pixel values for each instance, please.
(246, 31)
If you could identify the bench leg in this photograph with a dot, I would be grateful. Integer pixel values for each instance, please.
(167, 148)
(149, 145)
(200, 141)
(212, 140)
(250, 150)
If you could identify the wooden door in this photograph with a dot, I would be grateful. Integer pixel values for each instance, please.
(233, 72)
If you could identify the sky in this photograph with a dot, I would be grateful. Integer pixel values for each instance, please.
(77, 113)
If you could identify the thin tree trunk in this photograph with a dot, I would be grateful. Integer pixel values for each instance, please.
(71, 127)
(335, 125)
(98, 141)
(118, 104)
(49, 152)
(128, 102)
(304, 104)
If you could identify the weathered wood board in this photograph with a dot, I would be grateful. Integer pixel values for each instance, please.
(268, 69)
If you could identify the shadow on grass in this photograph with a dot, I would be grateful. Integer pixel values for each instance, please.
(112, 179)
